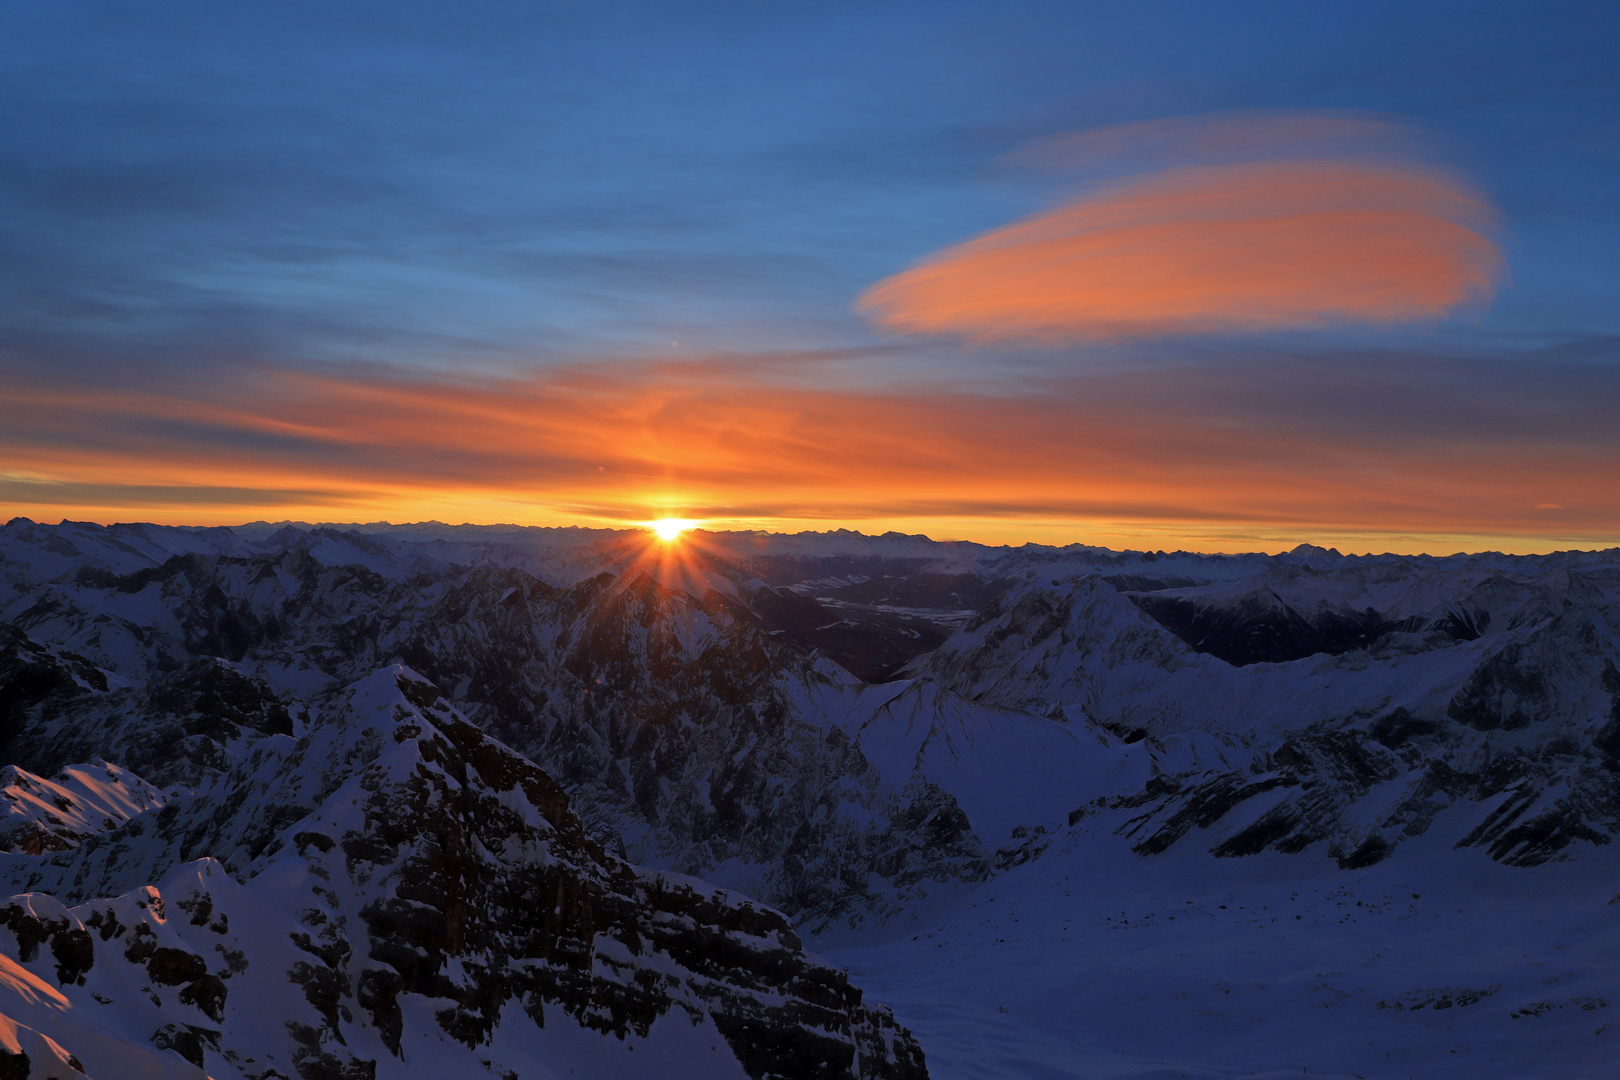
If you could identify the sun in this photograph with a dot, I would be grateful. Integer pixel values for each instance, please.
(671, 528)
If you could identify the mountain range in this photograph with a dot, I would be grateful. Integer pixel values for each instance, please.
(288, 800)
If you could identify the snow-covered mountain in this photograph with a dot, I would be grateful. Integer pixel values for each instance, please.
(50, 815)
(870, 734)
(394, 893)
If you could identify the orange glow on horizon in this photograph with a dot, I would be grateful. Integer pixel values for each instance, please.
(1235, 457)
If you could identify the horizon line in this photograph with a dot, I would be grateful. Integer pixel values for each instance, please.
(1300, 547)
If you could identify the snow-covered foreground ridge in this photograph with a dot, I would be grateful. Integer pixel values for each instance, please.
(396, 894)
(870, 734)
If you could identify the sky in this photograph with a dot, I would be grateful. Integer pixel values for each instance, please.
(1158, 275)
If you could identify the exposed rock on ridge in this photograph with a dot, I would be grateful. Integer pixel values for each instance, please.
(423, 871)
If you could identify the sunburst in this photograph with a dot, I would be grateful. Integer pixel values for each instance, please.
(670, 529)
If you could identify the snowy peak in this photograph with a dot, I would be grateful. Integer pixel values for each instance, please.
(30, 1054)
(38, 815)
(1070, 649)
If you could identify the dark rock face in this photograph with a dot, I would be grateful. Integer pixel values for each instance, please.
(14, 1066)
(1525, 682)
(172, 730)
(587, 917)
(35, 679)
(219, 701)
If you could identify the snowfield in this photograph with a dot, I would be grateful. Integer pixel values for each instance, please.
(1095, 962)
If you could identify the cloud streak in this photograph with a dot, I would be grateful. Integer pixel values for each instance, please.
(1300, 448)
(1233, 246)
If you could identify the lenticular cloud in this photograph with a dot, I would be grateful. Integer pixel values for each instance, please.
(1207, 249)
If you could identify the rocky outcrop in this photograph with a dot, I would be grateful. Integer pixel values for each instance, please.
(424, 874)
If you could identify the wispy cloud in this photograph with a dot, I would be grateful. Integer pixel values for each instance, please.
(1266, 222)
(1392, 444)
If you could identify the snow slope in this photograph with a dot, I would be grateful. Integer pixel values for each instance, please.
(1093, 961)
(48, 815)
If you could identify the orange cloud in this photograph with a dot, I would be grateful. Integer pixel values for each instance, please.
(1421, 453)
(1231, 247)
